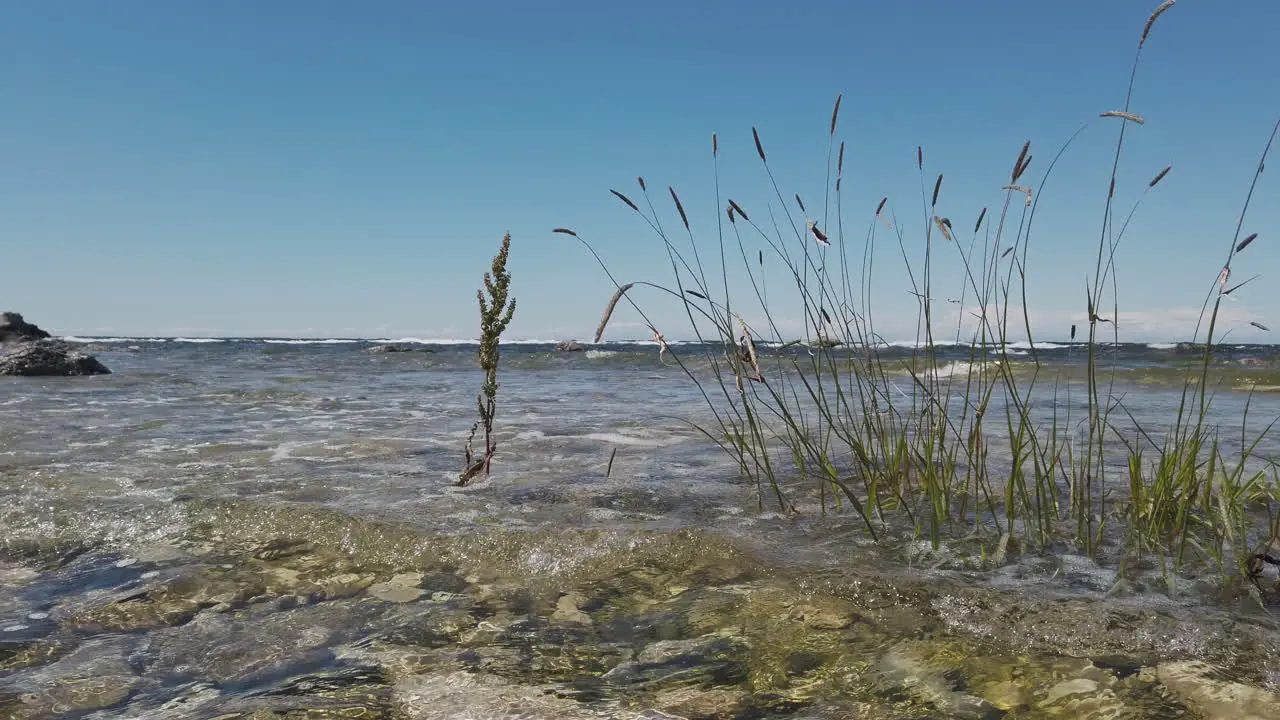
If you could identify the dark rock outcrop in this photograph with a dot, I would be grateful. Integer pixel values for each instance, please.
(48, 357)
(398, 348)
(14, 329)
(569, 346)
(27, 350)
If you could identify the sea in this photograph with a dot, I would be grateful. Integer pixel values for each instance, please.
(272, 527)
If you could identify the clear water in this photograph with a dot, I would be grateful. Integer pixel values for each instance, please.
(268, 527)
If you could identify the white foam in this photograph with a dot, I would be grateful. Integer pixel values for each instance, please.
(921, 343)
(960, 368)
(1024, 345)
(1162, 346)
(620, 439)
(327, 341)
(199, 340)
(422, 341)
(596, 354)
(284, 451)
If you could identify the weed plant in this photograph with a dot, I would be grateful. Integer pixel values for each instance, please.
(495, 315)
(913, 438)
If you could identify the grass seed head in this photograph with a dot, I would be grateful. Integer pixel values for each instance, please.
(1146, 29)
(625, 199)
(1124, 115)
(1017, 164)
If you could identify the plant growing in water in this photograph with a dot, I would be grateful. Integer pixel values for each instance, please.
(984, 443)
(495, 315)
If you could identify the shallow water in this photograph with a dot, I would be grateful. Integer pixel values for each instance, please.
(224, 529)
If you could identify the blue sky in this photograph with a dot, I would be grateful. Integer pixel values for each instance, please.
(347, 169)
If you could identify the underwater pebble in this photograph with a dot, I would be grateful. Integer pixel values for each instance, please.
(126, 562)
(1005, 695)
(150, 574)
(17, 576)
(395, 592)
(1079, 686)
(567, 609)
(13, 628)
(38, 616)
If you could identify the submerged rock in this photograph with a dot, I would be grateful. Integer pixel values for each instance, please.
(569, 346)
(398, 348)
(95, 676)
(401, 588)
(1196, 684)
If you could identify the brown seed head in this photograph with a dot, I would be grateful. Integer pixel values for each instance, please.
(608, 311)
(1017, 164)
(679, 206)
(919, 157)
(1245, 242)
(937, 186)
(565, 231)
(943, 227)
(835, 113)
(978, 224)
(738, 209)
(1152, 20)
(880, 207)
(625, 199)
(643, 188)
(818, 234)
(759, 147)
(1159, 176)
(840, 160)
(1131, 117)
(800, 202)
(715, 145)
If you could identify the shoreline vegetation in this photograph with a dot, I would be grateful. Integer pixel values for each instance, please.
(922, 455)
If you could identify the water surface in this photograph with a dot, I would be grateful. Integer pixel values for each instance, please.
(220, 529)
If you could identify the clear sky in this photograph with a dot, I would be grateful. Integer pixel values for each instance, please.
(316, 168)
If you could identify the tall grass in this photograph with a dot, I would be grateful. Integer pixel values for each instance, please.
(939, 445)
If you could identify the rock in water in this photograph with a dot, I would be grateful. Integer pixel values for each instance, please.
(397, 348)
(27, 350)
(14, 329)
(569, 346)
(48, 358)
